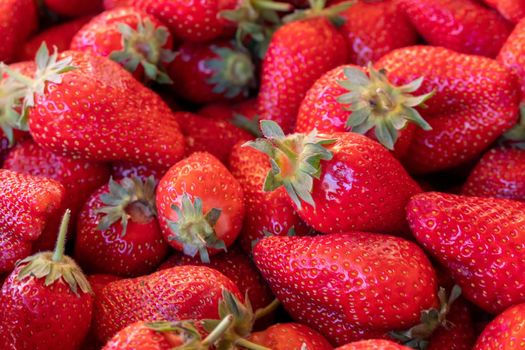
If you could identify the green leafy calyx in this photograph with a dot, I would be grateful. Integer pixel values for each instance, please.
(317, 8)
(516, 135)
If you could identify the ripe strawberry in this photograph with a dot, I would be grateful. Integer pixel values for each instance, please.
(74, 8)
(373, 344)
(466, 117)
(18, 20)
(364, 101)
(332, 282)
(224, 111)
(120, 170)
(460, 25)
(112, 4)
(345, 179)
(479, 240)
(131, 37)
(200, 206)
(212, 72)
(513, 10)
(505, 332)
(290, 336)
(117, 231)
(184, 292)
(27, 203)
(457, 332)
(46, 298)
(512, 54)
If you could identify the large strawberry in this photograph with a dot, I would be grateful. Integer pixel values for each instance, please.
(74, 8)
(466, 116)
(46, 300)
(349, 286)
(18, 19)
(131, 37)
(513, 10)
(200, 206)
(461, 25)
(512, 54)
(479, 240)
(505, 332)
(183, 292)
(28, 203)
(373, 344)
(338, 182)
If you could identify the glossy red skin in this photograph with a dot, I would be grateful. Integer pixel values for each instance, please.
(290, 336)
(190, 20)
(500, 173)
(100, 105)
(111, 4)
(505, 332)
(214, 136)
(27, 203)
(354, 190)
(459, 335)
(265, 211)
(235, 265)
(466, 116)
(332, 282)
(298, 54)
(513, 10)
(139, 336)
(204, 176)
(374, 28)
(136, 253)
(320, 110)
(373, 344)
(460, 25)
(18, 20)
(120, 170)
(512, 54)
(223, 111)
(34, 316)
(74, 8)
(479, 240)
(179, 293)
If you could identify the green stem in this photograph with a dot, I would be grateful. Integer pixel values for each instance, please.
(271, 5)
(249, 345)
(260, 313)
(218, 331)
(61, 240)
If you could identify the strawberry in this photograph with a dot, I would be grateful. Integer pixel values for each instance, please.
(460, 25)
(118, 232)
(225, 111)
(373, 344)
(290, 336)
(136, 40)
(298, 54)
(74, 8)
(183, 292)
(120, 170)
(479, 240)
(338, 182)
(332, 282)
(363, 101)
(466, 117)
(18, 20)
(112, 4)
(200, 206)
(512, 54)
(45, 298)
(513, 10)
(28, 203)
(505, 332)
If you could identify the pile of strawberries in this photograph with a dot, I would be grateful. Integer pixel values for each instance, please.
(262, 174)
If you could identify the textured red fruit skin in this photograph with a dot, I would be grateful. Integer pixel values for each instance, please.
(120, 170)
(373, 344)
(179, 293)
(139, 336)
(465, 114)
(290, 336)
(136, 253)
(265, 211)
(18, 19)
(74, 8)
(512, 54)
(331, 282)
(5, 146)
(513, 10)
(112, 4)
(460, 25)
(223, 111)
(298, 54)
(99, 106)
(505, 332)
(480, 241)
(235, 265)
(27, 203)
(202, 175)
(190, 20)
(34, 316)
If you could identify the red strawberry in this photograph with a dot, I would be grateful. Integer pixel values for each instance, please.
(18, 19)
(333, 282)
(460, 25)
(27, 203)
(131, 37)
(513, 10)
(512, 54)
(118, 232)
(466, 116)
(479, 240)
(457, 332)
(290, 336)
(338, 182)
(120, 170)
(74, 8)
(46, 299)
(200, 206)
(506, 332)
(223, 111)
(363, 101)
(373, 344)
(212, 72)
(112, 4)
(184, 292)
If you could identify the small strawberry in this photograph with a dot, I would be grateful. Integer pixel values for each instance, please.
(131, 37)
(373, 344)
(200, 206)
(505, 332)
(74, 8)
(290, 336)
(332, 282)
(18, 20)
(243, 115)
(46, 299)
(479, 240)
(513, 10)
(512, 54)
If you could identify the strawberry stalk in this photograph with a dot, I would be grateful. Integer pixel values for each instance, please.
(60, 245)
(318, 9)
